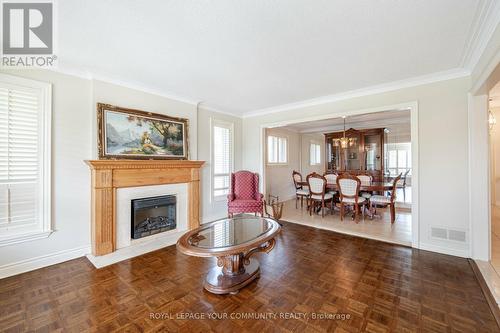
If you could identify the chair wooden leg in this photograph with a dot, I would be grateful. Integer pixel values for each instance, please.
(322, 208)
(393, 213)
(311, 204)
(356, 212)
(341, 211)
(296, 201)
(301, 201)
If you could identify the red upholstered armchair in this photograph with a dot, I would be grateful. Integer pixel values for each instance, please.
(244, 196)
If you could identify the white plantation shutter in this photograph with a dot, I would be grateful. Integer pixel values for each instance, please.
(222, 147)
(276, 150)
(23, 157)
(315, 154)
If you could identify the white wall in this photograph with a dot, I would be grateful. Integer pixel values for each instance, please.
(279, 177)
(442, 125)
(306, 140)
(74, 139)
(213, 210)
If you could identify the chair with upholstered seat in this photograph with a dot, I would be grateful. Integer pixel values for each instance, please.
(317, 190)
(402, 183)
(349, 194)
(331, 178)
(245, 196)
(301, 191)
(365, 180)
(382, 200)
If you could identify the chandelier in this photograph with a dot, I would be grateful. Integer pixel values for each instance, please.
(344, 141)
(491, 120)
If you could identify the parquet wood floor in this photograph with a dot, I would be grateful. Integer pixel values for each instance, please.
(381, 287)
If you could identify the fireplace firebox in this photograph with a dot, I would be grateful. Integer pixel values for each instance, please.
(153, 215)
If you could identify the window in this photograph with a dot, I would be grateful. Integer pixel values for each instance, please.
(315, 154)
(222, 158)
(25, 107)
(276, 150)
(398, 158)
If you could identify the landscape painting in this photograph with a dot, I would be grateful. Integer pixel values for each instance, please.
(134, 134)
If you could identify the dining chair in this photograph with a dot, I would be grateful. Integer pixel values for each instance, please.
(317, 189)
(402, 183)
(348, 186)
(365, 180)
(331, 178)
(301, 191)
(384, 201)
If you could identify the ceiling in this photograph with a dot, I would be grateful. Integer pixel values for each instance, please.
(241, 56)
(388, 119)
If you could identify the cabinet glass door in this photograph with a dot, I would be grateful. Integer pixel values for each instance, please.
(352, 152)
(333, 155)
(373, 151)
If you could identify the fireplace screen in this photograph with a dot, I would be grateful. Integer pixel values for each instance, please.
(153, 215)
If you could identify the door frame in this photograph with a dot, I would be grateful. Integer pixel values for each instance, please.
(412, 106)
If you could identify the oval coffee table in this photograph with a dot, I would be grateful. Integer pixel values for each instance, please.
(233, 241)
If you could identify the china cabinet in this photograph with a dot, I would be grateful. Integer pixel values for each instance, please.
(361, 153)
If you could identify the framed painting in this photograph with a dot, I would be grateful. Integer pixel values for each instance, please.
(134, 134)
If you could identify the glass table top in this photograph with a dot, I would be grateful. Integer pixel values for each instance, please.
(230, 232)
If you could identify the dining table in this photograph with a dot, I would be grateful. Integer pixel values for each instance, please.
(372, 187)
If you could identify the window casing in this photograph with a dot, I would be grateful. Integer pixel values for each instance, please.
(277, 150)
(222, 158)
(25, 113)
(314, 154)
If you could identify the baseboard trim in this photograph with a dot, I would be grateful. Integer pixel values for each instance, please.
(444, 250)
(31, 264)
(495, 310)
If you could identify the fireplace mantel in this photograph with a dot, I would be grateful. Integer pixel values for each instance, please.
(109, 175)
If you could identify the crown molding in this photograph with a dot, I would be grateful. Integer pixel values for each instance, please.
(73, 71)
(376, 89)
(485, 21)
(87, 75)
(217, 110)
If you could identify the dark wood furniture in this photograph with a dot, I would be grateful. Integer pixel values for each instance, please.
(402, 184)
(301, 189)
(380, 200)
(233, 241)
(373, 187)
(363, 155)
(318, 195)
(349, 188)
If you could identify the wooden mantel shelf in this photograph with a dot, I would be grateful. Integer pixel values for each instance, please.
(109, 175)
(142, 164)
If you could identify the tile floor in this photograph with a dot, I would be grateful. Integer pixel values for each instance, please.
(377, 228)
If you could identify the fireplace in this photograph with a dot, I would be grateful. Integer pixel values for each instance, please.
(153, 215)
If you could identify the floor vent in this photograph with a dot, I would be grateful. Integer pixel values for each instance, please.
(449, 234)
